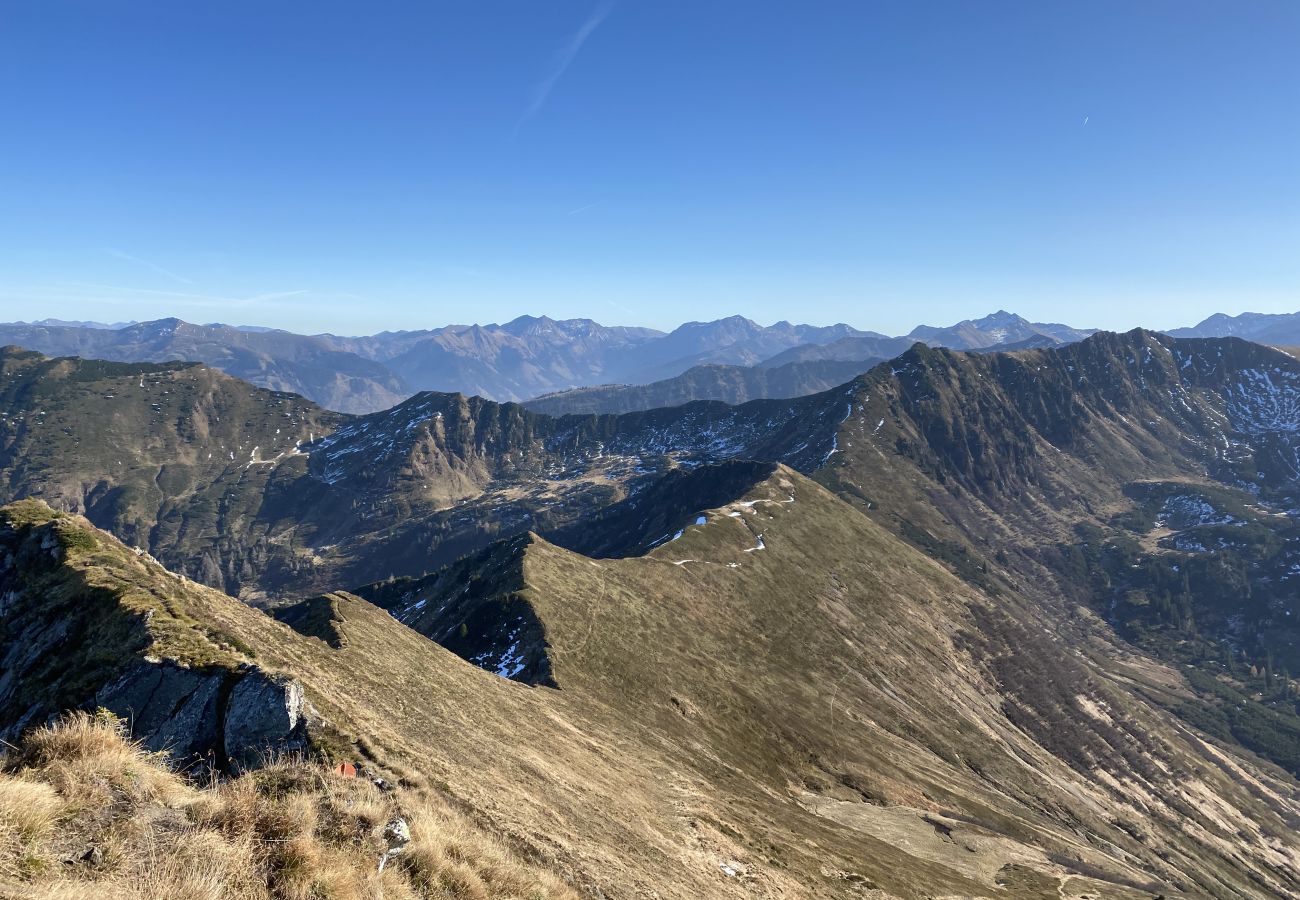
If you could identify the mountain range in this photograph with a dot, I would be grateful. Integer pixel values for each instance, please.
(522, 359)
(1276, 329)
(729, 384)
(1011, 624)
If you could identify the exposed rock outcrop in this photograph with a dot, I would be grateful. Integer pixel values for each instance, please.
(231, 720)
(267, 715)
(71, 637)
(170, 708)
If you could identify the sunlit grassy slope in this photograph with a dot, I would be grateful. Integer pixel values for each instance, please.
(786, 701)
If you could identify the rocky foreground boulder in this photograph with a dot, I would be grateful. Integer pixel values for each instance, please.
(229, 720)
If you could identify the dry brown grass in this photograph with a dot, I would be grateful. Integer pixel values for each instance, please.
(84, 813)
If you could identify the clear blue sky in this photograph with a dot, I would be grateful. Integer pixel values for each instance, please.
(360, 166)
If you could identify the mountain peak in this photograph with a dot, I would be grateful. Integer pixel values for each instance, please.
(999, 319)
(995, 330)
(525, 322)
(725, 325)
(157, 328)
(545, 327)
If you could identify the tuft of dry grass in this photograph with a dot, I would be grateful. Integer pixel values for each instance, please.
(89, 762)
(85, 813)
(446, 857)
(27, 809)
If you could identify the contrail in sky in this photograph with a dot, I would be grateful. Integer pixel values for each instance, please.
(144, 262)
(563, 59)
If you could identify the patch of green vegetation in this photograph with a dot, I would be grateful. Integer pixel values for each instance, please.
(1224, 709)
(98, 369)
(220, 636)
(966, 564)
(1227, 613)
(77, 541)
(1138, 520)
(28, 513)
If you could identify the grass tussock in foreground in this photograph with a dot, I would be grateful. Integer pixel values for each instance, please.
(86, 814)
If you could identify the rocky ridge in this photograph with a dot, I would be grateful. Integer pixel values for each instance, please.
(85, 621)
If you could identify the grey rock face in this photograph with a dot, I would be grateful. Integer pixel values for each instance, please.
(266, 715)
(50, 543)
(171, 709)
(230, 720)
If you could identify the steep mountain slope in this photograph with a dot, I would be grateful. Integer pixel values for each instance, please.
(857, 639)
(260, 492)
(785, 701)
(272, 359)
(1060, 431)
(729, 384)
(177, 458)
(86, 620)
(1047, 473)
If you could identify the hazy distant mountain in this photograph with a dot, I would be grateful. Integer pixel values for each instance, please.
(995, 330)
(998, 331)
(731, 341)
(730, 384)
(78, 324)
(869, 346)
(520, 359)
(517, 333)
(525, 358)
(1034, 342)
(277, 360)
(797, 372)
(530, 355)
(1263, 328)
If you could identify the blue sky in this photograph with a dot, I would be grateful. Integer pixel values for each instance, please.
(355, 167)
